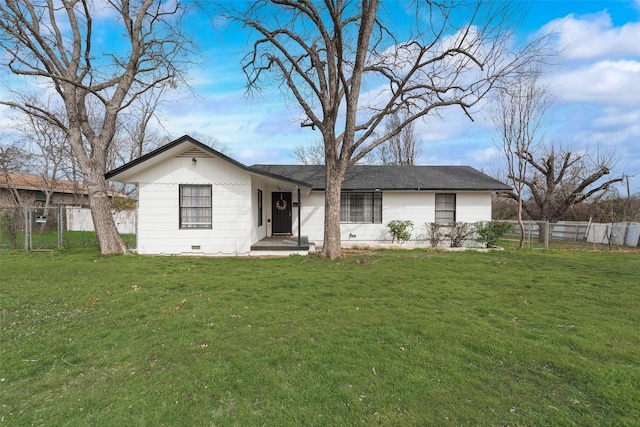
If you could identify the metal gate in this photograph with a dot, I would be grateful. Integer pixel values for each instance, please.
(32, 229)
(44, 228)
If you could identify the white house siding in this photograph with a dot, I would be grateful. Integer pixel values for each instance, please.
(312, 213)
(473, 206)
(158, 208)
(417, 206)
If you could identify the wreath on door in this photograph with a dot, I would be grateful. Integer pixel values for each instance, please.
(281, 205)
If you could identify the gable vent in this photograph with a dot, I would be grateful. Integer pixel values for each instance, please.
(194, 152)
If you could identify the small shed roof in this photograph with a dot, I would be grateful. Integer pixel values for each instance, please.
(40, 183)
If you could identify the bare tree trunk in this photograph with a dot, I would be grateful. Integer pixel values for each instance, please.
(332, 242)
(101, 213)
(521, 223)
(332, 247)
(543, 231)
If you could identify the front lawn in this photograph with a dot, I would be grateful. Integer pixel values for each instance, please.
(379, 338)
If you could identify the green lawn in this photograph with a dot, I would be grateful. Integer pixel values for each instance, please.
(49, 240)
(519, 338)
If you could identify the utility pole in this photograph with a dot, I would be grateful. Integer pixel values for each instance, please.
(626, 177)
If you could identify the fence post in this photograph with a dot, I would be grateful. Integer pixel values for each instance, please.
(27, 228)
(60, 226)
(548, 231)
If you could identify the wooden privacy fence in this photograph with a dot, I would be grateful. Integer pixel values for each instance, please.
(617, 233)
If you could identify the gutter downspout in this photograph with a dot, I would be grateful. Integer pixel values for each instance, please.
(299, 219)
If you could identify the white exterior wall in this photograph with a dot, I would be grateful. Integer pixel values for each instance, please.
(158, 208)
(312, 213)
(260, 232)
(473, 206)
(417, 206)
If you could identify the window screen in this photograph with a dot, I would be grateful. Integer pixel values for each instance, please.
(445, 208)
(195, 206)
(361, 208)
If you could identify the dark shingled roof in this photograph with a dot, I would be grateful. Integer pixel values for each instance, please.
(365, 177)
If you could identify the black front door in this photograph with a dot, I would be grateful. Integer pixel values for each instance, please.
(281, 212)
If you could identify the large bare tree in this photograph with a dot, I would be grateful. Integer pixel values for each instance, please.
(348, 69)
(521, 106)
(52, 44)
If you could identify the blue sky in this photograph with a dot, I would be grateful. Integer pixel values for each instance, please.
(595, 83)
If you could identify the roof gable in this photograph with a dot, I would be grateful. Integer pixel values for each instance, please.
(194, 149)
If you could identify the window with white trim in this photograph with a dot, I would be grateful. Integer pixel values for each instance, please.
(364, 208)
(445, 208)
(195, 206)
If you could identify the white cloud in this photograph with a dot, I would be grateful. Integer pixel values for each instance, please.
(594, 36)
(486, 155)
(605, 82)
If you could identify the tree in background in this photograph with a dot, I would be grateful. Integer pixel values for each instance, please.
(54, 43)
(559, 179)
(133, 136)
(521, 106)
(49, 153)
(309, 154)
(326, 54)
(403, 148)
(13, 159)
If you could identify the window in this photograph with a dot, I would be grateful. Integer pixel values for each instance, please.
(445, 208)
(259, 208)
(195, 206)
(361, 208)
(40, 196)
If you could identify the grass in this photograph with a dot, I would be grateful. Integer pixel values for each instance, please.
(380, 338)
(48, 240)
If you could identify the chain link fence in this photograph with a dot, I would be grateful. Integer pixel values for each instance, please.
(34, 229)
(610, 234)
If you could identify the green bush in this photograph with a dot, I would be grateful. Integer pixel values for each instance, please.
(490, 232)
(400, 230)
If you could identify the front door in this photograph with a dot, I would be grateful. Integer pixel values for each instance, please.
(281, 212)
